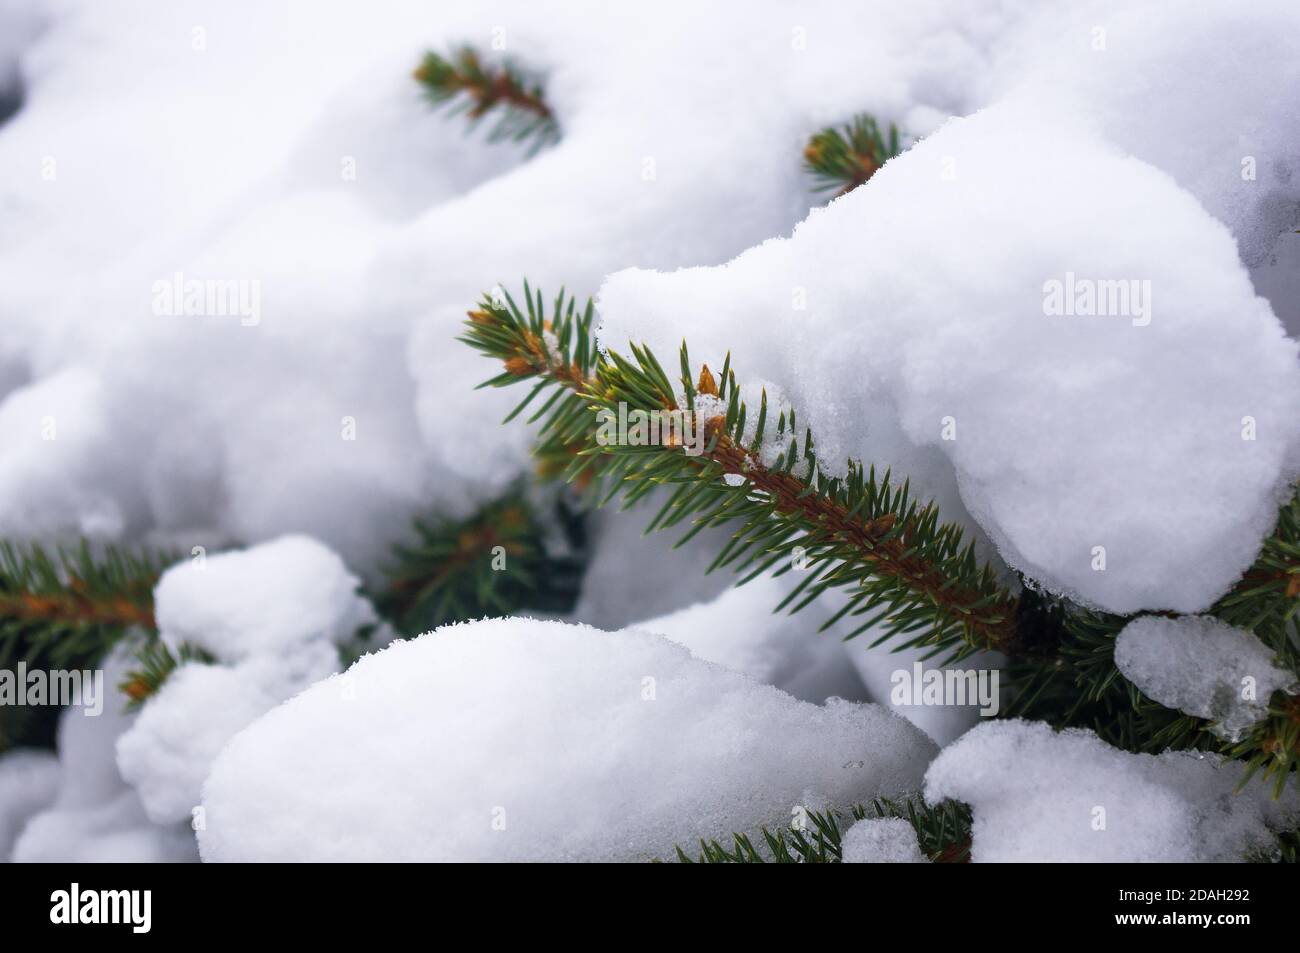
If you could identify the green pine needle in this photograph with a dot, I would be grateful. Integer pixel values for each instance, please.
(942, 832)
(499, 561)
(156, 662)
(468, 86)
(909, 577)
(63, 609)
(844, 158)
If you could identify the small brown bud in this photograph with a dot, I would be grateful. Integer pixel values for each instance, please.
(707, 384)
(714, 427)
(534, 345)
(883, 525)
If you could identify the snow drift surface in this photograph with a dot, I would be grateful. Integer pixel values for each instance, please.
(525, 740)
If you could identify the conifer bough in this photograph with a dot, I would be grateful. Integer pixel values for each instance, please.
(64, 609)
(494, 562)
(518, 97)
(68, 599)
(905, 570)
(845, 158)
(942, 834)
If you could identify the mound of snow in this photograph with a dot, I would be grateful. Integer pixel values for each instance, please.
(29, 780)
(524, 740)
(291, 597)
(1040, 795)
(740, 631)
(95, 816)
(1080, 342)
(274, 616)
(881, 840)
(1227, 128)
(1203, 667)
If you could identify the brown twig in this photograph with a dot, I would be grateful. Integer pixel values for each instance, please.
(76, 607)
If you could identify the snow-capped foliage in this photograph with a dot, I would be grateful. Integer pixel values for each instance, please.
(1202, 667)
(881, 840)
(94, 815)
(370, 224)
(291, 599)
(1040, 795)
(168, 750)
(526, 740)
(274, 617)
(1137, 157)
(1070, 437)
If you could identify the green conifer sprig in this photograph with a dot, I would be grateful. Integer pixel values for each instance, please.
(468, 86)
(64, 609)
(938, 596)
(156, 662)
(1267, 599)
(68, 608)
(1286, 851)
(904, 570)
(498, 561)
(1077, 683)
(842, 158)
(942, 831)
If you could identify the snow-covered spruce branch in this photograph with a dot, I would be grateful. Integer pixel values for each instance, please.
(942, 835)
(905, 571)
(63, 609)
(68, 609)
(844, 158)
(476, 89)
(839, 158)
(62, 602)
(1267, 600)
(910, 574)
(1081, 686)
(155, 662)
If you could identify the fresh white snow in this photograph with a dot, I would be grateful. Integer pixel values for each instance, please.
(881, 840)
(1074, 435)
(291, 598)
(29, 780)
(93, 814)
(1202, 667)
(274, 617)
(525, 740)
(1041, 795)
